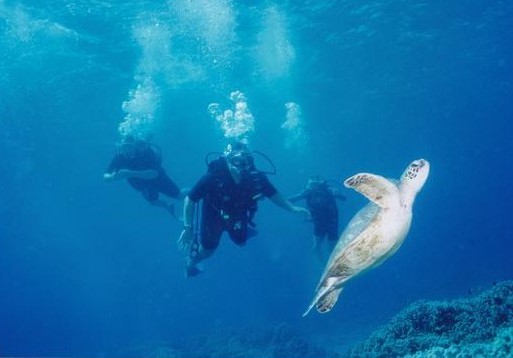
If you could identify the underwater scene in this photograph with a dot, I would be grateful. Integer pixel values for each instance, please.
(229, 178)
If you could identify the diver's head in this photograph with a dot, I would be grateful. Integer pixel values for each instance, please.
(130, 147)
(315, 181)
(239, 157)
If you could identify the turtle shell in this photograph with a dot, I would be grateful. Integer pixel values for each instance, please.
(358, 223)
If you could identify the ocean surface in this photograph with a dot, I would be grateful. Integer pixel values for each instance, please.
(333, 88)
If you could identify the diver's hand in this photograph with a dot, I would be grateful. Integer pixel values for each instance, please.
(185, 240)
(303, 211)
(110, 176)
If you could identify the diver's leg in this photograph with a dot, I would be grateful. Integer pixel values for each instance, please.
(317, 246)
(167, 187)
(163, 203)
(151, 194)
(238, 231)
(332, 232)
(166, 204)
(195, 257)
(318, 235)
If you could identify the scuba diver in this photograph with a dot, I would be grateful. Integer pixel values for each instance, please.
(321, 202)
(229, 192)
(139, 162)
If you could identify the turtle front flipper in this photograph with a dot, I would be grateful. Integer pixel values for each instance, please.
(375, 188)
(326, 302)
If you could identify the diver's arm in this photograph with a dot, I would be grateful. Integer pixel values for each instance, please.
(297, 197)
(127, 173)
(183, 193)
(188, 218)
(188, 212)
(141, 174)
(283, 203)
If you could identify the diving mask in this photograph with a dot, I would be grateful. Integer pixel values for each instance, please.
(241, 161)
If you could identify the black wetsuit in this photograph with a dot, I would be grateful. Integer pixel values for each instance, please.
(321, 203)
(146, 158)
(228, 206)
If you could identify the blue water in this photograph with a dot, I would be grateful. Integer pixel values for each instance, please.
(89, 268)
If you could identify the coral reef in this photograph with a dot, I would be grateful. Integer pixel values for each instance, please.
(281, 341)
(477, 326)
(468, 327)
(500, 347)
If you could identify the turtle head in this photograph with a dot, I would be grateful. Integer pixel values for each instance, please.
(415, 176)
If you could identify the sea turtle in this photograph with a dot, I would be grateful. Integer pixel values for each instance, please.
(374, 233)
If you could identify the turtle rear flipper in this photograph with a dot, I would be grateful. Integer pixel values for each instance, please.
(326, 302)
(325, 287)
